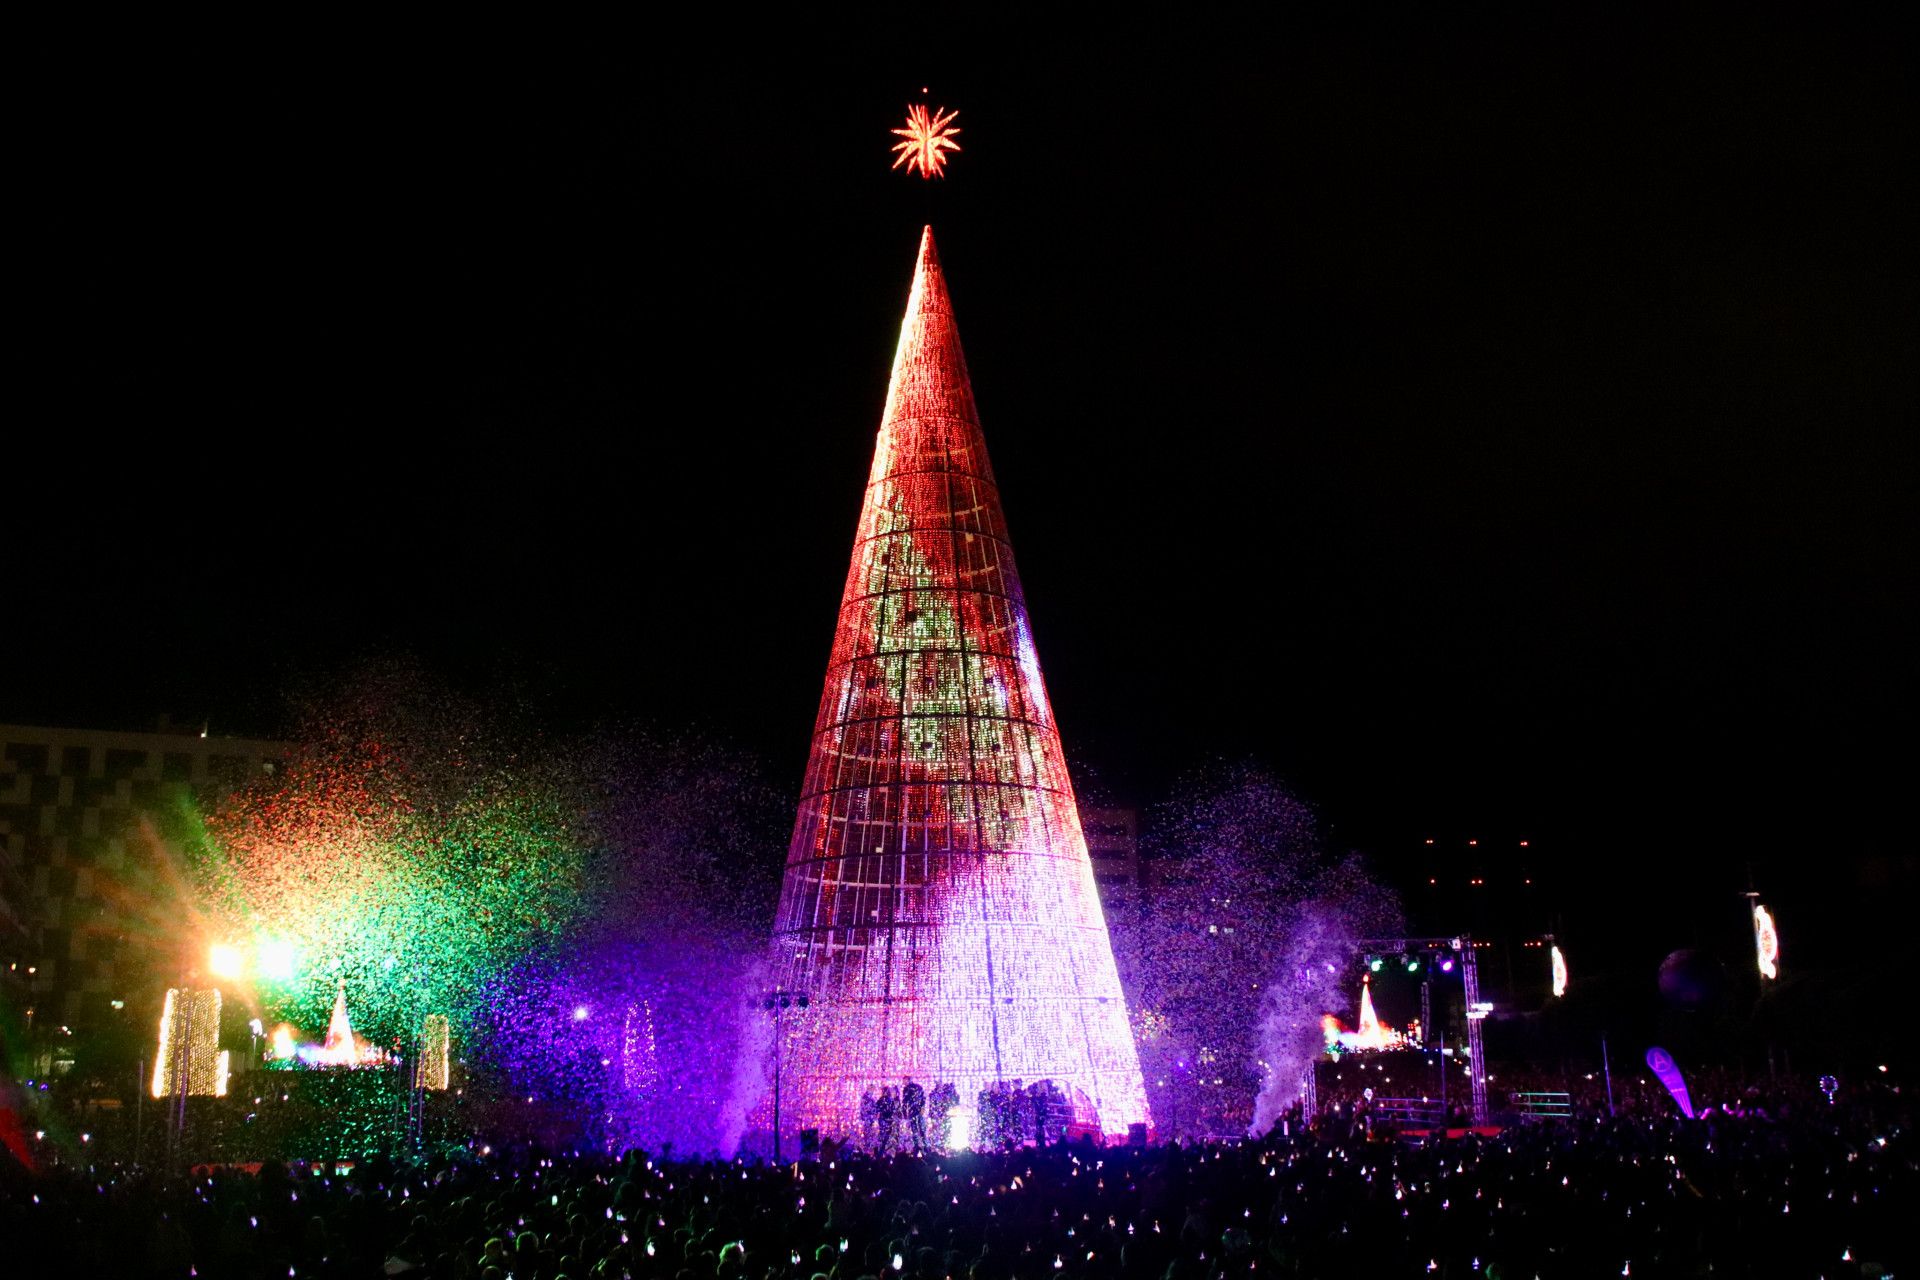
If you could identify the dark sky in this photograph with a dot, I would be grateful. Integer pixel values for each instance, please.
(1501, 432)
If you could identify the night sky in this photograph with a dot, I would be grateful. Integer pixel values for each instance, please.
(1504, 434)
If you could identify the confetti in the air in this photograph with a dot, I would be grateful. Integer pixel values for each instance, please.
(585, 916)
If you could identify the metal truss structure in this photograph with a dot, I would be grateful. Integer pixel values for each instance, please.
(1477, 1010)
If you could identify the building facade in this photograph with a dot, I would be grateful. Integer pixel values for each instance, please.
(93, 828)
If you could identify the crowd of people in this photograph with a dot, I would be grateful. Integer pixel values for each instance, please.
(914, 1119)
(1011, 1114)
(908, 1118)
(1360, 1085)
(1807, 1187)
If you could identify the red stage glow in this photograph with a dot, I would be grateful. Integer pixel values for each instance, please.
(938, 904)
(929, 135)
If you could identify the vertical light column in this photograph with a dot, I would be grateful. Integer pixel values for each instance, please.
(436, 1053)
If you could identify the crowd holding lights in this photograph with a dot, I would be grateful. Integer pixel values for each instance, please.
(1638, 1194)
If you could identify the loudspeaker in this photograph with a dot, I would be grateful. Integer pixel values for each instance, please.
(1136, 1135)
(809, 1142)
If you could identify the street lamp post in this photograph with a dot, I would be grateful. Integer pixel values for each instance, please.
(778, 1002)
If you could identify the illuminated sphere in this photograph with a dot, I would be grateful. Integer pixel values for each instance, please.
(1691, 979)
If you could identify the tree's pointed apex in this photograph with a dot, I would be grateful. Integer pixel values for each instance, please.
(929, 281)
(929, 368)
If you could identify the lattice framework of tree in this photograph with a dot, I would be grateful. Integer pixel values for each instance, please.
(938, 901)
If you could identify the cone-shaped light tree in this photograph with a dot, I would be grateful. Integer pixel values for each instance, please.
(938, 907)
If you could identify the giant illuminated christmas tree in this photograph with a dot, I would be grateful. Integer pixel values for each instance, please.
(939, 908)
